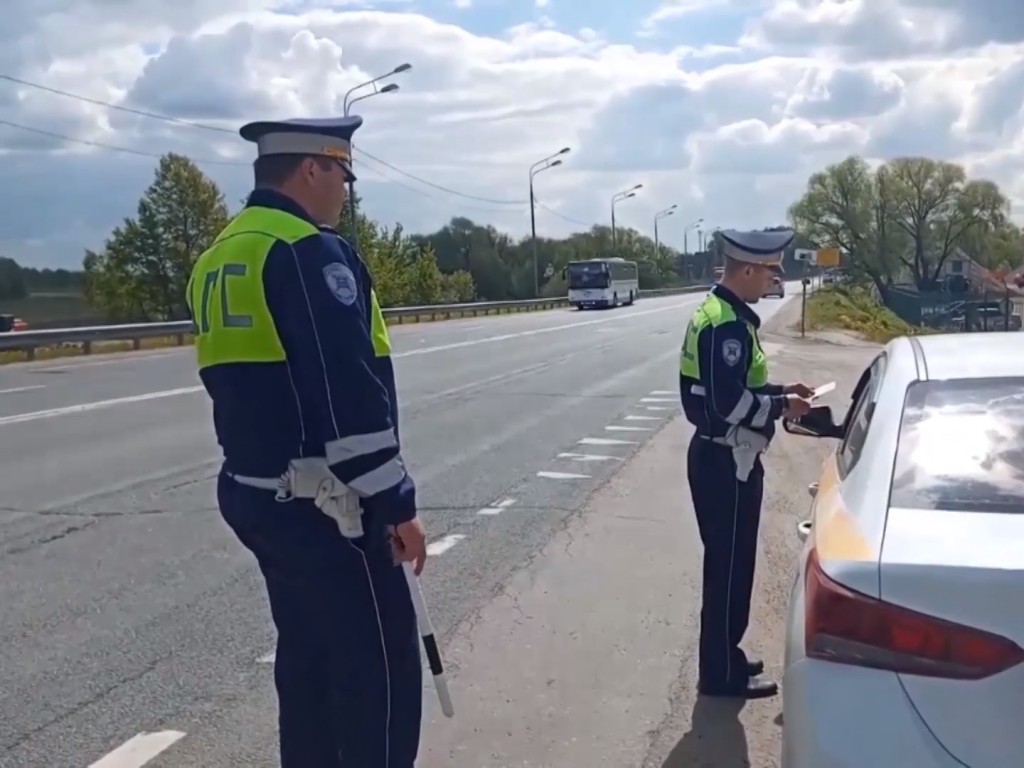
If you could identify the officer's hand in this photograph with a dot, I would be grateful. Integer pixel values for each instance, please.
(409, 544)
(796, 407)
(800, 390)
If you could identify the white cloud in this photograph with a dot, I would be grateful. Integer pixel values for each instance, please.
(727, 128)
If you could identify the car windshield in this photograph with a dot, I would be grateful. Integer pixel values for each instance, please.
(961, 446)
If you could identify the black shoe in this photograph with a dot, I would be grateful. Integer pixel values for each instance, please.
(755, 668)
(752, 689)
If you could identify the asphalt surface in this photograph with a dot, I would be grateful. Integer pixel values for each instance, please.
(127, 607)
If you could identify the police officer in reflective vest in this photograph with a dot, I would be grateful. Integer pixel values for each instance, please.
(723, 380)
(295, 355)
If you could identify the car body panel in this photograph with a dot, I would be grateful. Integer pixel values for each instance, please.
(968, 568)
(964, 567)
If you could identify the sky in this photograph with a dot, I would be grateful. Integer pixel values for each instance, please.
(722, 108)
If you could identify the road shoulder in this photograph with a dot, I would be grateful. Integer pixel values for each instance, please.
(575, 662)
(586, 657)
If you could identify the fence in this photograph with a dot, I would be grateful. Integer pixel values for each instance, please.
(29, 342)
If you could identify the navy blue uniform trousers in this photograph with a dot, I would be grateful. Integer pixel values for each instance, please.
(348, 670)
(728, 515)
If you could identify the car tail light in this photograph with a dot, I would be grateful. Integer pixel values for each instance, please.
(848, 627)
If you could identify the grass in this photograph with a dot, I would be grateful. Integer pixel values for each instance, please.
(855, 310)
(52, 310)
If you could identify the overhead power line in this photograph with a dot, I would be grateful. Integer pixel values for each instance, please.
(213, 128)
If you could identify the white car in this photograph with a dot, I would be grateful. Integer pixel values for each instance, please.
(906, 618)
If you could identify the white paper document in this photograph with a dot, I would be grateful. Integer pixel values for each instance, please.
(824, 389)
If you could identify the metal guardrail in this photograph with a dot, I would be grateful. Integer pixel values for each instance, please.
(30, 341)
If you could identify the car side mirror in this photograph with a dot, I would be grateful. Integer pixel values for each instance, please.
(818, 422)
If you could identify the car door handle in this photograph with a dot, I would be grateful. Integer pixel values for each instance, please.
(812, 490)
(803, 529)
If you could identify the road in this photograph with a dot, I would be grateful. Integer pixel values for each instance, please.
(128, 608)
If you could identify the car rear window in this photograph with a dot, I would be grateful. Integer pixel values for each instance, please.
(961, 446)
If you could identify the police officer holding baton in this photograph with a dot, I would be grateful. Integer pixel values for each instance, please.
(293, 351)
(726, 395)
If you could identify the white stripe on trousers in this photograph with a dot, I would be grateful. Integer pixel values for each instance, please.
(384, 650)
(728, 589)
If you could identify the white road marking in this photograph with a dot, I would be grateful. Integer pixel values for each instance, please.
(662, 392)
(62, 364)
(605, 441)
(562, 476)
(588, 457)
(657, 399)
(443, 544)
(139, 750)
(498, 508)
(658, 408)
(535, 331)
(616, 428)
(82, 407)
(267, 658)
(12, 390)
(642, 418)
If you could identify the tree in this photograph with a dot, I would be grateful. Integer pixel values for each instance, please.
(850, 207)
(143, 270)
(938, 208)
(12, 280)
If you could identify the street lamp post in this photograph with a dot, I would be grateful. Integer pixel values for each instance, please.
(689, 227)
(540, 165)
(661, 215)
(617, 198)
(347, 103)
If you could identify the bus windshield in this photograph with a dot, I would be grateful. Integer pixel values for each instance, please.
(588, 274)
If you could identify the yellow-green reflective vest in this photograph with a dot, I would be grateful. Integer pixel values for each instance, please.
(232, 322)
(715, 311)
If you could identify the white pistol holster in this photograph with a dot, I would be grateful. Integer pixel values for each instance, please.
(311, 478)
(746, 446)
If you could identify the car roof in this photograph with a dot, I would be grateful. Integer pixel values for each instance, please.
(970, 355)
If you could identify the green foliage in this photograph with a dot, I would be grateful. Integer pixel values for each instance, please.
(856, 310)
(12, 280)
(907, 216)
(143, 270)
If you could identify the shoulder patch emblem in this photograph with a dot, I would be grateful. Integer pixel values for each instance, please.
(732, 351)
(341, 282)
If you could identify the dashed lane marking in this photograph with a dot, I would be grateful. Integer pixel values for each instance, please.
(658, 408)
(267, 658)
(497, 508)
(12, 390)
(139, 750)
(562, 476)
(657, 399)
(642, 418)
(658, 392)
(443, 544)
(616, 428)
(588, 457)
(83, 407)
(605, 441)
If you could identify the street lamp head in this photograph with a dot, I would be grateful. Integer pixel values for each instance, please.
(389, 88)
(564, 150)
(639, 186)
(670, 212)
(631, 194)
(673, 207)
(401, 68)
(554, 163)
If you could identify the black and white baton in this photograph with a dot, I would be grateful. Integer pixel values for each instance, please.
(429, 643)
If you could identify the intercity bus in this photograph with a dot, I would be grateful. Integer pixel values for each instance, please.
(602, 282)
